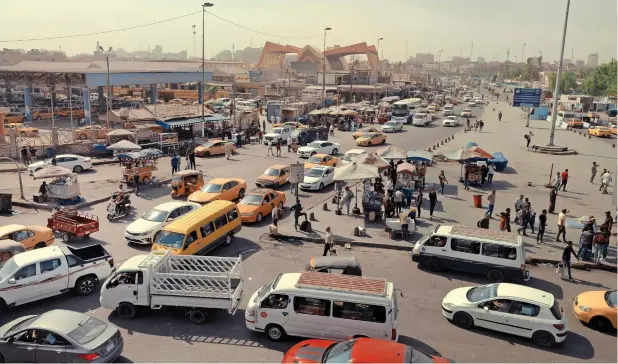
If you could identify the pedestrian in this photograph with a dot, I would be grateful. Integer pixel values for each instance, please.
(525, 216)
(502, 221)
(556, 182)
(593, 172)
(24, 155)
(561, 226)
(346, 199)
(508, 219)
(476, 125)
(239, 140)
(481, 124)
(174, 162)
(275, 215)
(278, 145)
(467, 122)
(433, 199)
(566, 257)
(491, 201)
(528, 138)
(264, 126)
(259, 136)
(483, 223)
(228, 149)
(289, 143)
(269, 151)
(484, 172)
(603, 241)
(331, 130)
(32, 154)
(187, 163)
(136, 182)
(519, 204)
(192, 158)
(298, 212)
(490, 173)
(419, 203)
(609, 221)
(500, 116)
(565, 178)
(394, 175)
(329, 241)
(398, 198)
(466, 180)
(443, 181)
(542, 223)
(605, 181)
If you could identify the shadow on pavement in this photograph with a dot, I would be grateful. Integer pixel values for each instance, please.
(418, 345)
(239, 246)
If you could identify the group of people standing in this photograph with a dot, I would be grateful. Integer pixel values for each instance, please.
(176, 161)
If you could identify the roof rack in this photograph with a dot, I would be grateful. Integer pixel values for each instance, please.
(342, 283)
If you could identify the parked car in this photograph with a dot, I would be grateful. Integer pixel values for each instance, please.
(472, 103)
(317, 177)
(510, 308)
(450, 121)
(145, 229)
(21, 130)
(228, 189)
(31, 237)
(59, 336)
(278, 134)
(392, 126)
(321, 160)
(274, 176)
(258, 203)
(597, 309)
(14, 118)
(318, 147)
(73, 162)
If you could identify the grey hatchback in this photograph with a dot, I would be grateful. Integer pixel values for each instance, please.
(59, 336)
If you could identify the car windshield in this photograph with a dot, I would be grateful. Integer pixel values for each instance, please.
(368, 136)
(7, 269)
(390, 123)
(451, 118)
(272, 172)
(314, 172)
(171, 240)
(155, 215)
(610, 298)
(20, 326)
(211, 188)
(419, 357)
(339, 353)
(482, 293)
(254, 200)
(314, 160)
(314, 145)
(88, 330)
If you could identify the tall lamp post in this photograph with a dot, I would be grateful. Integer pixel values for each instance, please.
(204, 6)
(21, 186)
(523, 53)
(554, 110)
(379, 65)
(108, 99)
(194, 46)
(324, 67)
(439, 58)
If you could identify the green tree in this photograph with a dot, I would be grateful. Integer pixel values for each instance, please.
(567, 83)
(602, 81)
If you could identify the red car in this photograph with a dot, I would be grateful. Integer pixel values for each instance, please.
(362, 350)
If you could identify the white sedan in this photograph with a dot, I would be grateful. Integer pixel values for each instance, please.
(392, 126)
(318, 147)
(451, 121)
(146, 229)
(75, 163)
(317, 178)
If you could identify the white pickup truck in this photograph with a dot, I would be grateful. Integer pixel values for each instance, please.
(422, 119)
(157, 280)
(280, 133)
(41, 273)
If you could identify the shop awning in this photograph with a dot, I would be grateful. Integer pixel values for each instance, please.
(170, 124)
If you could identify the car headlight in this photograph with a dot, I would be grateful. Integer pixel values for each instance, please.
(447, 305)
(584, 308)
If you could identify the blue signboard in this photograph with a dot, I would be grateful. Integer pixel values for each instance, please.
(255, 76)
(527, 97)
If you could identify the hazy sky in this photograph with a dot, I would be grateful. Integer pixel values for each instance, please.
(452, 25)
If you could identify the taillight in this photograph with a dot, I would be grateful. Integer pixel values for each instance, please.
(394, 334)
(559, 327)
(86, 159)
(111, 263)
(89, 357)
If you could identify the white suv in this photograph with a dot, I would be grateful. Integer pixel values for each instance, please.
(509, 308)
(281, 133)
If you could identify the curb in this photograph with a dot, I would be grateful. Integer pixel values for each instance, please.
(25, 168)
(532, 261)
(38, 206)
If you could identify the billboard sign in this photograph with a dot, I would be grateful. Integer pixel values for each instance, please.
(255, 76)
(527, 97)
(297, 172)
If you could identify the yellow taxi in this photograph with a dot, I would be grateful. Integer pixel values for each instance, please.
(435, 106)
(274, 176)
(259, 203)
(31, 237)
(613, 129)
(14, 118)
(65, 112)
(321, 160)
(364, 131)
(228, 189)
(213, 147)
(575, 123)
(370, 139)
(291, 124)
(431, 109)
(21, 130)
(85, 132)
(596, 308)
(600, 131)
(41, 114)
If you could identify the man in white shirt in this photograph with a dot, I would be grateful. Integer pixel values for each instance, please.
(606, 179)
(519, 204)
(289, 143)
(270, 148)
(329, 241)
(398, 197)
(275, 215)
(490, 173)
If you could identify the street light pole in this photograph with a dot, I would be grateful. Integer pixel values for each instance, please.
(439, 58)
(21, 186)
(204, 6)
(324, 67)
(108, 101)
(194, 46)
(554, 110)
(379, 66)
(523, 52)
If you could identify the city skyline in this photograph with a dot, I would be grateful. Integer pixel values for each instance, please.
(592, 29)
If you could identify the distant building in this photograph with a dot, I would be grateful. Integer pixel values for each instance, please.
(157, 51)
(460, 61)
(480, 60)
(13, 56)
(593, 60)
(424, 58)
(580, 63)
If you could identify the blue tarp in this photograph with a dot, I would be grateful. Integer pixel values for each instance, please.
(471, 144)
(211, 118)
(499, 161)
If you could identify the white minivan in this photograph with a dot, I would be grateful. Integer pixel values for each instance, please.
(324, 305)
(497, 255)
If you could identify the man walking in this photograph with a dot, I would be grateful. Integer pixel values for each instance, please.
(298, 208)
(593, 172)
(481, 125)
(519, 204)
(525, 217)
(269, 151)
(561, 226)
(566, 256)
(443, 180)
(275, 215)
(264, 126)
(136, 182)
(174, 164)
(289, 143)
(419, 203)
(433, 199)
(398, 201)
(565, 178)
(24, 156)
(500, 116)
(278, 147)
(491, 200)
(490, 173)
(484, 172)
(542, 223)
(606, 179)
(329, 241)
(192, 159)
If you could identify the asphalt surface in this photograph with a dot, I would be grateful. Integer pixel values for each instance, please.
(164, 336)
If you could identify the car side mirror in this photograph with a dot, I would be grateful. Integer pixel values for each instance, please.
(170, 219)
(486, 308)
(12, 281)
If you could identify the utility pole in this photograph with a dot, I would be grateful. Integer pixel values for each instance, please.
(324, 67)
(523, 52)
(204, 6)
(558, 78)
(508, 52)
(471, 50)
(194, 46)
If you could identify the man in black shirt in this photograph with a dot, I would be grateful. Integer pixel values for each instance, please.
(566, 256)
(433, 199)
(542, 222)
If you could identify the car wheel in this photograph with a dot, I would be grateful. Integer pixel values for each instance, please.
(544, 339)
(197, 317)
(126, 310)
(275, 332)
(206, 154)
(241, 193)
(600, 323)
(495, 276)
(312, 154)
(321, 186)
(78, 169)
(40, 245)
(383, 141)
(335, 151)
(38, 117)
(369, 144)
(258, 218)
(85, 285)
(83, 136)
(229, 238)
(434, 264)
(463, 320)
(66, 236)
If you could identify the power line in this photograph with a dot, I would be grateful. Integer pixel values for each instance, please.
(101, 32)
(263, 33)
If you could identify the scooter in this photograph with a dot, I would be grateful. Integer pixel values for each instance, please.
(112, 208)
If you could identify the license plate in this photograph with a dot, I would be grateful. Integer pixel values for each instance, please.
(109, 347)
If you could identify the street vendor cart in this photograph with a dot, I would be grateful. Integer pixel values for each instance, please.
(63, 188)
(142, 163)
(71, 223)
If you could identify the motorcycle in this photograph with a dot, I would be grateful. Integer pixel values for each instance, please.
(113, 211)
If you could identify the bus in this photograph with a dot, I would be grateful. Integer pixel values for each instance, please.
(404, 109)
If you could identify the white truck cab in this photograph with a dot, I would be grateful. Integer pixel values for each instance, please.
(422, 119)
(280, 133)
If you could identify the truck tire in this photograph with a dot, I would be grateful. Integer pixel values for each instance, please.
(126, 310)
(85, 285)
(197, 317)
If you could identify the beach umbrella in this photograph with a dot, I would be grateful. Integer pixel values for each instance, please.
(124, 145)
(52, 172)
(390, 152)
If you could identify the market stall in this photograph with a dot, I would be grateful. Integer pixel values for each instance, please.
(421, 159)
(124, 145)
(468, 157)
(391, 153)
(117, 135)
(372, 201)
(63, 187)
(141, 163)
